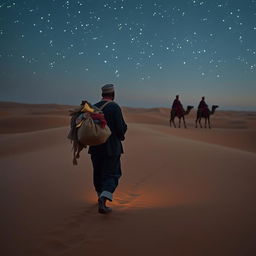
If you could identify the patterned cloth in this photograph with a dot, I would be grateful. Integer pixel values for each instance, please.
(100, 118)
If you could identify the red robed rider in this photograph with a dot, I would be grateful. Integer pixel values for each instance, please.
(177, 106)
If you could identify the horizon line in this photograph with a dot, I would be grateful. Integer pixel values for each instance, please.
(224, 108)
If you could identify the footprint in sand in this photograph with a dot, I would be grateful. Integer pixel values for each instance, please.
(134, 195)
(79, 227)
(126, 199)
(76, 231)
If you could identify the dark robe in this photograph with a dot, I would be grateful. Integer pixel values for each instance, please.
(203, 108)
(177, 107)
(202, 105)
(177, 104)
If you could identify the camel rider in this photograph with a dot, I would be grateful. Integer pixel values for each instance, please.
(177, 106)
(202, 105)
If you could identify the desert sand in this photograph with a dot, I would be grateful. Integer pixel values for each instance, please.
(184, 192)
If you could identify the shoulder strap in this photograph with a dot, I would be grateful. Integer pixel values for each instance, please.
(104, 105)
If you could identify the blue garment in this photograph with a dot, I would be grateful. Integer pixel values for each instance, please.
(106, 157)
(106, 173)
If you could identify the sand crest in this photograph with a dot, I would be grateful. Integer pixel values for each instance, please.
(183, 192)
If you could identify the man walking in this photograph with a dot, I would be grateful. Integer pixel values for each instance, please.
(106, 157)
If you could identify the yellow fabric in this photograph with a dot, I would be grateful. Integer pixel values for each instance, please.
(87, 108)
(78, 125)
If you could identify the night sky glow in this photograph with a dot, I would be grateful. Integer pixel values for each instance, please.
(56, 51)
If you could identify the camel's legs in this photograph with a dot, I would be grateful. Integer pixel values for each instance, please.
(184, 122)
(205, 123)
(200, 122)
(179, 122)
(209, 124)
(172, 121)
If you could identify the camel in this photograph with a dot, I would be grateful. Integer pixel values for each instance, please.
(206, 115)
(179, 115)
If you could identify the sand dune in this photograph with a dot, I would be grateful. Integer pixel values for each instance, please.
(20, 124)
(19, 118)
(187, 192)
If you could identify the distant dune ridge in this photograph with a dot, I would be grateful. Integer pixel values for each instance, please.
(183, 191)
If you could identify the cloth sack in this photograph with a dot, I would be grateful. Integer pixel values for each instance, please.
(91, 132)
(88, 128)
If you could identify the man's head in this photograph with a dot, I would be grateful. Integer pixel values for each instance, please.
(203, 98)
(108, 91)
(177, 97)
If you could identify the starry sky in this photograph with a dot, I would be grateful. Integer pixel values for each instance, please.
(58, 51)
